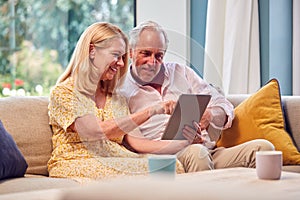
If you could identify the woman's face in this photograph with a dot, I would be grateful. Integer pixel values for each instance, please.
(110, 58)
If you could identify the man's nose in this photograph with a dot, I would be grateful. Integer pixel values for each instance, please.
(152, 60)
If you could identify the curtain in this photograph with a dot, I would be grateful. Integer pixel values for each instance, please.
(296, 47)
(232, 46)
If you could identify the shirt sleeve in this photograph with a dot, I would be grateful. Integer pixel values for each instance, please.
(217, 101)
(65, 106)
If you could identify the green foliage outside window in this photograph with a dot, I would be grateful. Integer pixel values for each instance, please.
(38, 37)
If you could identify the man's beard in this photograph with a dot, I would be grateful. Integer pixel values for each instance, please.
(157, 79)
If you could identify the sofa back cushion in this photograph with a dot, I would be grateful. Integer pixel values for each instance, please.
(26, 119)
(291, 107)
(12, 162)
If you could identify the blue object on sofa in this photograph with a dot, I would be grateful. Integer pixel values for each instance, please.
(12, 162)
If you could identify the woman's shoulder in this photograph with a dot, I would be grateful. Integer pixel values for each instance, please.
(66, 86)
(66, 91)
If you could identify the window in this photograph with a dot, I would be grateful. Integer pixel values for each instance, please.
(37, 38)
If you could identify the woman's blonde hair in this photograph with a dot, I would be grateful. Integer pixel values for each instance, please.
(80, 68)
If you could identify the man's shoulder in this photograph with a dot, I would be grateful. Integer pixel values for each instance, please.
(175, 68)
(172, 65)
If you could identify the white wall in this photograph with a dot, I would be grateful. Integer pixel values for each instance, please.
(174, 16)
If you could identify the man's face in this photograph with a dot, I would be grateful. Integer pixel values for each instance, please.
(147, 55)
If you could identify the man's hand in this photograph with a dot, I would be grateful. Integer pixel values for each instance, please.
(192, 135)
(206, 119)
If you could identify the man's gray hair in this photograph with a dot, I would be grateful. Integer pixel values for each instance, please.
(150, 25)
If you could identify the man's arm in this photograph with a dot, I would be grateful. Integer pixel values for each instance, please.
(219, 112)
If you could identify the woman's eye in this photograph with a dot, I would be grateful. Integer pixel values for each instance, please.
(116, 55)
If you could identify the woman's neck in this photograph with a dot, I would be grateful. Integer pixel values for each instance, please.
(100, 98)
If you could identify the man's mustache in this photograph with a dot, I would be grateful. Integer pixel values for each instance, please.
(149, 66)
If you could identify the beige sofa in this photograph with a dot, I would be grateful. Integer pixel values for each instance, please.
(26, 119)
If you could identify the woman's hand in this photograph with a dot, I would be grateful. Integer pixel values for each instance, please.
(165, 107)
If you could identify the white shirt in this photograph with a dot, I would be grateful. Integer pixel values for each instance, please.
(178, 79)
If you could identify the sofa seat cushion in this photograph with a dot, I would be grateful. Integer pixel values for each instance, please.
(48, 194)
(33, 183)
(291, 168)
(26, 119)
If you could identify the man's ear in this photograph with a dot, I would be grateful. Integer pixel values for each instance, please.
(92, 51)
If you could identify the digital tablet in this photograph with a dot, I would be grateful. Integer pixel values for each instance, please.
(189, 108)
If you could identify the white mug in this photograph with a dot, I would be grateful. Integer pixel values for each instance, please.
(269, 164)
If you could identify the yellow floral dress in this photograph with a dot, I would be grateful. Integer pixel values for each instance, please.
(74, 158)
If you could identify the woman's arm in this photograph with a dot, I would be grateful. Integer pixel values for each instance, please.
(137, 142)
(143, 145)
(89, 127)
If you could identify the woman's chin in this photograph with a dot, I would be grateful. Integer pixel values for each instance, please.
(109, 78)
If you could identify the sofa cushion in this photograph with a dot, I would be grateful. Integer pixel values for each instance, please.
(26, 119)
(12, 162)
(34, 183)
(292, 115)
(260, 116)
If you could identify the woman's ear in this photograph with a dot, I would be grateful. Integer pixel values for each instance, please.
(130, 53)
(92, 51)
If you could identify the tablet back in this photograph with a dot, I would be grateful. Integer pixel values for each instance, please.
(189, 108)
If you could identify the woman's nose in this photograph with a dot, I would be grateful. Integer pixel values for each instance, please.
(120, 62)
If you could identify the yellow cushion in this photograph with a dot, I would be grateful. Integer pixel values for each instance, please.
(260, 117)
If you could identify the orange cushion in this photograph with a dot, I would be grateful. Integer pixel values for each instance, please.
(260, 117)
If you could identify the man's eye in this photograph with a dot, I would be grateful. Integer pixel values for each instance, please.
(159, 56)
(145, 54)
